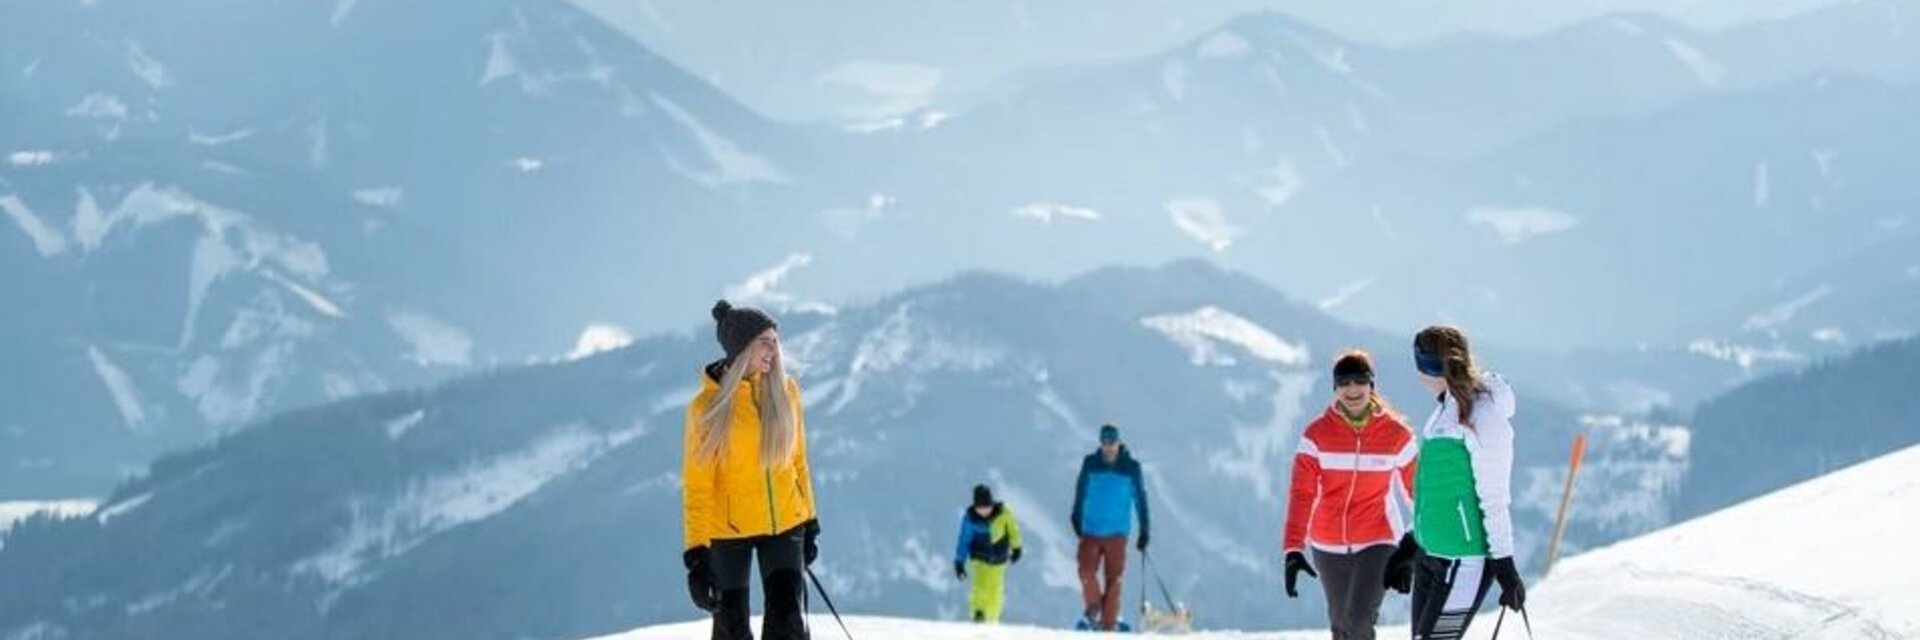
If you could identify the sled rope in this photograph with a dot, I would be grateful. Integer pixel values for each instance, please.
(1167, 595)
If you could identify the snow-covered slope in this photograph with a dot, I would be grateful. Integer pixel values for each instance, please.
(11, 512)
(903, 629)
(1821, 559)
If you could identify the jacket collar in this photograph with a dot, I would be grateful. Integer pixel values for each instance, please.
(1335, 414)
(1125, 456)
(975, 515)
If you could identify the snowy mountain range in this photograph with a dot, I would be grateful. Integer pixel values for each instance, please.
(544, 499)
(374, 196)
(1277, 148)
(380, 195)
(1689, 223)
(807, 62)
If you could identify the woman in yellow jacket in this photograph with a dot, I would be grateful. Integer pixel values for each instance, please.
(747, 491)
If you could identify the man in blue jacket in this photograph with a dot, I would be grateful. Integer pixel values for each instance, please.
(1105, 498)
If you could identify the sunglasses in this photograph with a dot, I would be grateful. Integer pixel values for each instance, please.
(1345, 381)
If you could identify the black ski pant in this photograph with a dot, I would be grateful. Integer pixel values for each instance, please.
(1446, 593)
(1355, 585)
(782, 562)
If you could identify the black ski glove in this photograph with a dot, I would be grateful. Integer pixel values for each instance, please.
(1296, 563)
(1399, 575)
(700, 583)
(1142, 543)
(1015, 558)
(1513, 592)
(812, 532)
(960, 569)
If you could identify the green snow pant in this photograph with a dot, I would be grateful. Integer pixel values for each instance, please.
(989, 589)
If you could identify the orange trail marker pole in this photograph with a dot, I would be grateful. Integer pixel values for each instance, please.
(1566, 501)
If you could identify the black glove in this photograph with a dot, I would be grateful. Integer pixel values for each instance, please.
(1399, 575)
(1015, 558)
(960, 569)
(700, 584)
(1142, 543)
(1296, 563)
(812, 532)
(1513, 592)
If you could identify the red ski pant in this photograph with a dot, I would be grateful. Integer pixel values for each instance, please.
(1102, 591)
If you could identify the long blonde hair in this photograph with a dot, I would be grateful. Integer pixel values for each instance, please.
(770, 400)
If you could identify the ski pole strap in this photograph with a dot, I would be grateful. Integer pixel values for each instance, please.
(829, 600)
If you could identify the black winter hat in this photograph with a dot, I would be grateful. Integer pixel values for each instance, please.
(737, 327)
(1351, 367)
(982, 496)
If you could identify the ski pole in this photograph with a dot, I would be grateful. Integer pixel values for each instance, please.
(1524, 619)
(829, 600)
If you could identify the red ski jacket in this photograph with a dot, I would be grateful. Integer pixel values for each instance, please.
(1345, 480)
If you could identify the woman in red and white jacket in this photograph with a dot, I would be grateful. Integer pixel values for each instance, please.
(1353, 461)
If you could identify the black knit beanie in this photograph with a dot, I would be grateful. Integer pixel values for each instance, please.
(737, 327)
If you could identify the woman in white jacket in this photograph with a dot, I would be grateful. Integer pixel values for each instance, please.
(1462, 540)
